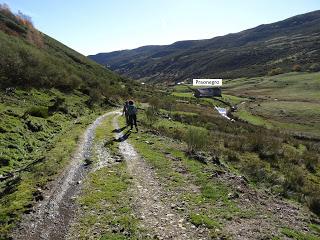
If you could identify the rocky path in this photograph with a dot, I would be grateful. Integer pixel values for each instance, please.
(51, 218)
(156, 215)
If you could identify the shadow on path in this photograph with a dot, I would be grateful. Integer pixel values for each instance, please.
(119, 130)
(123, 137)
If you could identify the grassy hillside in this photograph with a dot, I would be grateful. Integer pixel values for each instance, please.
(29, 58)
(291, 44)
(39, 132)
(287, 101)
(270, 156)
(49, 94)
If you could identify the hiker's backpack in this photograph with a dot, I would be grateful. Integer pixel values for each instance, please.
(132, 110)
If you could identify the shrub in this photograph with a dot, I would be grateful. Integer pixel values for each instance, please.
(256, 142)
(75, 81)
(168, 103)
(311, 160)
(37, 112)
(175, 133)
(275, 71)
(233, 156)
(151, 115)
(196, 138)
(4, 161)
(154, 103)
(34, 37)
(94, 97)
(270, 150)
(291, 154)
(295, 179)
(58, 106)
(315, 67)
(296, 68)
(255, 168)
(314, 203)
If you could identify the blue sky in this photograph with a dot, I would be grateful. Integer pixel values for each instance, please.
(92, 26)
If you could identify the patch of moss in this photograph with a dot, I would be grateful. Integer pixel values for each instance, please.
(298, 235)
(203, 220)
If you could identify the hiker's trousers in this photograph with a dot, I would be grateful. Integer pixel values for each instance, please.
(133, 120)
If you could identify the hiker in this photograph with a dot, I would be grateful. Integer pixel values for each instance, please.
(125, 112)
(132, 112)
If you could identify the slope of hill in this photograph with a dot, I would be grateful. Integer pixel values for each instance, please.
(49, 93)
(288, 44)
(29, 58)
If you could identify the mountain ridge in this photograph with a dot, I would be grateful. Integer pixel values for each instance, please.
(251, 52)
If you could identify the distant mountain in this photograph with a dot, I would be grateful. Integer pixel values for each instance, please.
(29, 58)
(281, 46)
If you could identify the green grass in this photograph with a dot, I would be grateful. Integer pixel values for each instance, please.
(298, 235)
(291, 115)
(105, 202)
(203, 220)
(234, 100)
(183, 94)
(182, 88)
(24, 136)
(159, 161)
(287, 101)
(255, 120)
(106, 206)
(169, 124)
(180, 113)
(14, 204)
(104, 134)
(315, 227)
(53, 141)
(289, 86)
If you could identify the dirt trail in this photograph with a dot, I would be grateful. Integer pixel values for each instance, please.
(51, 218)
(150, 206)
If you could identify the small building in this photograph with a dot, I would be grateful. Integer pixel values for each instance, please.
(207, 92)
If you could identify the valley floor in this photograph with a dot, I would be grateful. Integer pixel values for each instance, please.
(143, 186)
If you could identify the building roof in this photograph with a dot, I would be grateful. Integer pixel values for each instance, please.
(208, 92)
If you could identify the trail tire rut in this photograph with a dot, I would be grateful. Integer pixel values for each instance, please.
(51, 217)
(149, 198)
